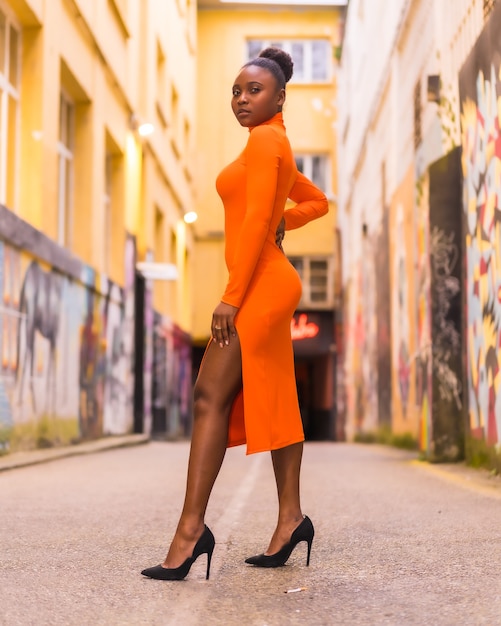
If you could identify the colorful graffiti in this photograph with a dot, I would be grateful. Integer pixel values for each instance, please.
(423, 353)
(355, 343)
(65, 357)
(383, 305)
(405, 293)
(40, 311)
(480, 87)
(401, 312)
(103, 363)
(445, 253)
(361, 358)
(171, 380)
(445, 256)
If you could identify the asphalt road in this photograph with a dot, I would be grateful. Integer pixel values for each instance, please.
(397, 542)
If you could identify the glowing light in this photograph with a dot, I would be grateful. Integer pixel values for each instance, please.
(146, 129)
(302, 329)
(190, 217)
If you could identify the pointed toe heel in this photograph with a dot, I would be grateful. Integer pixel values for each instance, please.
(304, 532)
(205, 545)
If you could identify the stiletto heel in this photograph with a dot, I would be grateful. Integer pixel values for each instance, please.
(209, 559)
(304, 532)
(205, 545)
(309, 552)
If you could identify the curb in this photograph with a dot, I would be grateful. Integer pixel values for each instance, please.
(34, 457)
(473, 479)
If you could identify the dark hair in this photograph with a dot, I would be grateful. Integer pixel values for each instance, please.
(276, 61)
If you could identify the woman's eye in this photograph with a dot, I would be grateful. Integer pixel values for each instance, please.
(235, 92)
(254, 90)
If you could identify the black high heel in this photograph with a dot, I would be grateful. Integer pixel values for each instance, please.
(205, 545)
(304, 532)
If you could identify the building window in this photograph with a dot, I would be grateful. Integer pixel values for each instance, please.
(174, 112)
(488, 8)
(9, 109)
(418, 135)
(312, 57)
(316, 277)
(107, 211)
(316, 168)
(112, 218)
(65, 149)
(161, 86)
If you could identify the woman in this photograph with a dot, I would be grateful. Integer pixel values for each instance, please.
(246, 389)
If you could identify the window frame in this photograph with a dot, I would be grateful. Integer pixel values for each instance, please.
(107, 212)
(287, 45)
(306, 273)
(65, 156)
(308, 168)
(9, 167)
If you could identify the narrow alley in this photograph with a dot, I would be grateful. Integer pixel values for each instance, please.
(398, 542)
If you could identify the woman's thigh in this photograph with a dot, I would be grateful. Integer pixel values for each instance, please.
(220, 375)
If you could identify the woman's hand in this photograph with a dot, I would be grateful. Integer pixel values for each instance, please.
(280, 234)
(223, 323)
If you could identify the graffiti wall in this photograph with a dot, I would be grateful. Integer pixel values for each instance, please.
(66, 352)
(171, 390)
(403, 281)
(383, 300)
(480, 96)
(360, 362)
(445, 243)
(424, 372)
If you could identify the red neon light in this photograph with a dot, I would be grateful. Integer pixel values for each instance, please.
(302, 329)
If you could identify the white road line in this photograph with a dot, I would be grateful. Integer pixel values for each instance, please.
(190, 605)
(231, 516)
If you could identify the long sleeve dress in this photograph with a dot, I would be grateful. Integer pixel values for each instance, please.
(263, 284)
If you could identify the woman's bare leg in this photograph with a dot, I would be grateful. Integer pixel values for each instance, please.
(218, 383)
(287, 468)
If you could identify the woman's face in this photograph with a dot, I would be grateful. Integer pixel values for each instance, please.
(256, 96)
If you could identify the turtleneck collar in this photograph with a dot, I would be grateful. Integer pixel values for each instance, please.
(276, 119)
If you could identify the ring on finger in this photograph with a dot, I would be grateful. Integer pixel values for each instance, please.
(217, 327)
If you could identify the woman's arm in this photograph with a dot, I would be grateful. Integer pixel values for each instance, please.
(311, 203)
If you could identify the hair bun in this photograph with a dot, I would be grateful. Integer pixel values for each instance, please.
(282, 58)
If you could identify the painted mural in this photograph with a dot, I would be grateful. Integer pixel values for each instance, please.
(355, 341)
(423, 315)
(405, 294)
(401, 308)
(361, 356)
(66, 355)
(383, 306)
(369, 321)
(171, 389)
(445, 436)
(480, 96)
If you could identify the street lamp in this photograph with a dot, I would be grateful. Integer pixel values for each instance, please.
(144, 129)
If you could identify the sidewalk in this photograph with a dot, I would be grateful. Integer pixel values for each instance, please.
(477, 479)
(34, 457)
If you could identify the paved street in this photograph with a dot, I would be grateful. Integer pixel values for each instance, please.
(398, 542)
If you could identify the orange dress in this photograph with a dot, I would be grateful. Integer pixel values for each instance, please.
(263, 284)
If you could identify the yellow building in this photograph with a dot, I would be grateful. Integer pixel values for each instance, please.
(97, 145)
(229, 34)
(114, 122)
